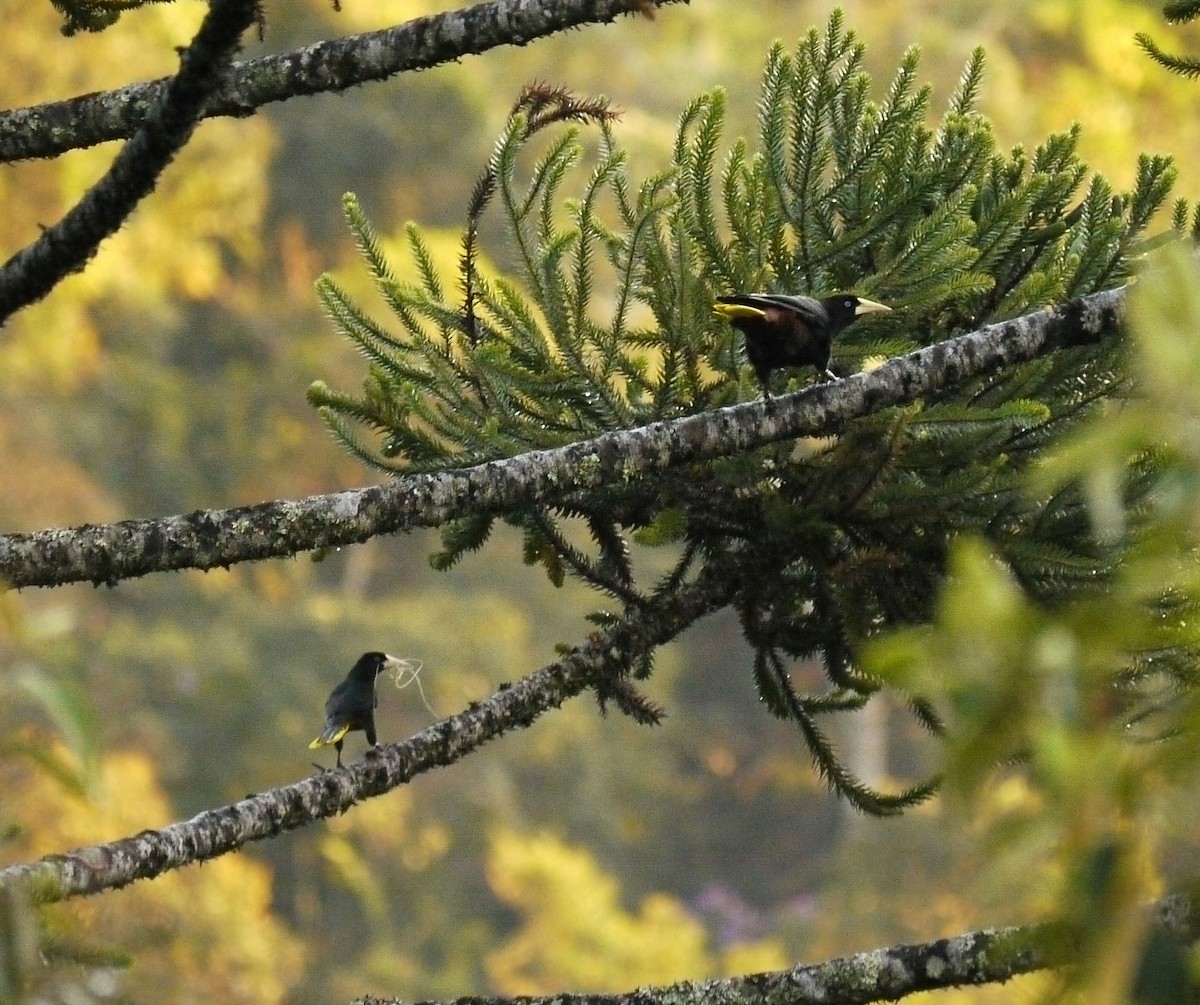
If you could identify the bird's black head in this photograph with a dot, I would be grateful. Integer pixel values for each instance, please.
(371, 665)
(845, 308)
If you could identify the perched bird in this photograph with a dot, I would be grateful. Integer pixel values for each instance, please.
(351, 704)
(791, 331)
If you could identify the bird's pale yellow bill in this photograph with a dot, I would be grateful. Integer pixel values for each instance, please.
(870, 307)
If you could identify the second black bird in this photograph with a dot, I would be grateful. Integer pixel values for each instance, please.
(783, 331)
(351, 705)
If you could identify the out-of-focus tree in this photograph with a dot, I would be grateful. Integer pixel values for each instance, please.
(575, 933)
(217, 936)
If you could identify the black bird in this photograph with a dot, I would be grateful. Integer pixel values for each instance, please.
(351, 704)
(791, 331)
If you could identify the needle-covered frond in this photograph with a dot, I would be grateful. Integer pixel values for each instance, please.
(600, 317)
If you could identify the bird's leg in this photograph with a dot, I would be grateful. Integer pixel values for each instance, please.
(338, 747)
(829, 376)
(766, 390)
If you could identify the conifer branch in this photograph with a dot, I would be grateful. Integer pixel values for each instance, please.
(66, 247)
(1185, 66)
(601, 662)
(595, 573)
(987, 956)
(330, 66)
(541, 105)
(1175, 12)
(94, 15)
(1180, 11)
(206, 539)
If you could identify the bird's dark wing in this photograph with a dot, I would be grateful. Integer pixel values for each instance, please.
(780, 308)
(743, 299)
(811, 312)
(350, 698)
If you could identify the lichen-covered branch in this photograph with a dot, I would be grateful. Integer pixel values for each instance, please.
(605, 657)
(335, 65)
(989, 956)
(168, 124)
(205, 539)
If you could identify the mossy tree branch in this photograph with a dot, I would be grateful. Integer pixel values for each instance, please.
(602, 662)
(333, 65)
(206, 539)
(166, 127)
(972, 959)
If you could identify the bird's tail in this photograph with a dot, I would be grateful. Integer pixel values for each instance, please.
(727, 309)
(331, 736)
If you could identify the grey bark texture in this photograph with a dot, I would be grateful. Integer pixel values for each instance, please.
(600, 663)
(988, 956)
(206, 539)
(166, 127)
(335, 65)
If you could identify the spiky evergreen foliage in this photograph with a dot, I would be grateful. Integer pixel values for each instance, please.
(1176, 12)
(605, 321)
(95, 15)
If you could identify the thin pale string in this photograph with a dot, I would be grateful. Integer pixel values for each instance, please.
(408, 672)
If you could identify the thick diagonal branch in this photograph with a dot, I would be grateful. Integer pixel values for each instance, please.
(607, 655)
(108, 553)
(168, 124)
(329, 66)
(989, 956)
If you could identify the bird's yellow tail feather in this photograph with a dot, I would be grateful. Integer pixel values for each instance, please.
(329, 737)
(731, 311)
